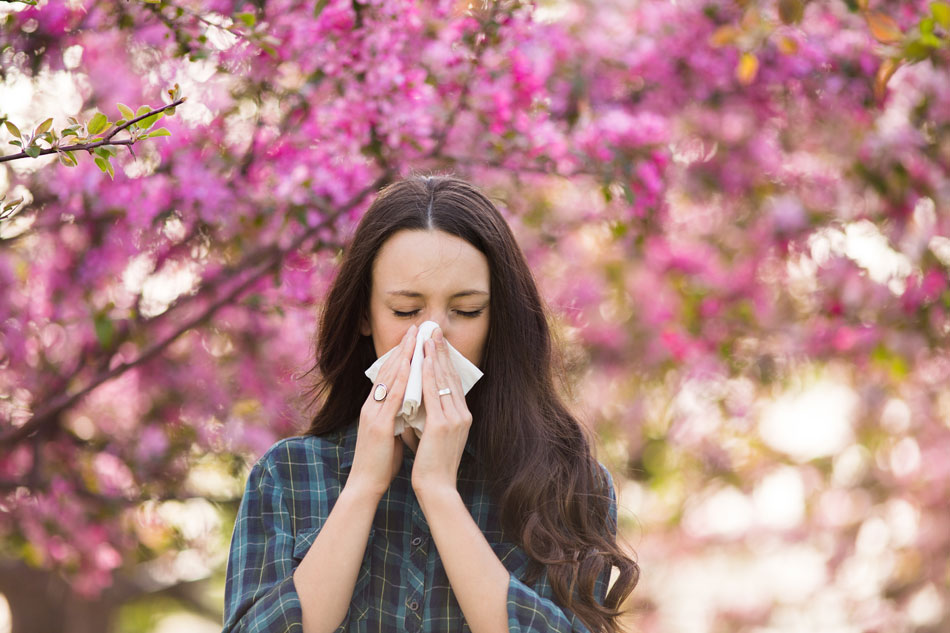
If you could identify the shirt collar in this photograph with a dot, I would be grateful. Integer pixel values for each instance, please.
(349, 445)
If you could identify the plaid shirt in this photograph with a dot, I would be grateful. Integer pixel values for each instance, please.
(401, 585)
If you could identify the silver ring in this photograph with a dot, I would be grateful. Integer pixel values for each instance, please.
(445, 392)
(379, 394)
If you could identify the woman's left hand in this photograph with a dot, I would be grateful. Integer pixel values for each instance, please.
(448, 421)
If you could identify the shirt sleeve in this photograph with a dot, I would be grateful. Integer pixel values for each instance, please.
(534, 611)
(259, 592)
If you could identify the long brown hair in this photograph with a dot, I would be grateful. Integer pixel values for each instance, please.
(552, 493)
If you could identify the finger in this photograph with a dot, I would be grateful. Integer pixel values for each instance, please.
(450, 377)
(430, 397)
(393, 400)
(389, 370)
(446, 402)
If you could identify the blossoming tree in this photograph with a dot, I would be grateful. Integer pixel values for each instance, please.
(723, 201)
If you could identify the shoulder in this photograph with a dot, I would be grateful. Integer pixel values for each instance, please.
(302, 475)
(293, 457)
(608, 479)
(612, 494)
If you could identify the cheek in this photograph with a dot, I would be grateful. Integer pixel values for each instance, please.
(386, 336)
(472, 344)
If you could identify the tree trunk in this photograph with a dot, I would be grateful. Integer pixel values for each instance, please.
(41, 602)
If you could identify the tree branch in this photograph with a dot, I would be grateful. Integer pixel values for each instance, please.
(50, 413)
(106, 140)
(480, 45)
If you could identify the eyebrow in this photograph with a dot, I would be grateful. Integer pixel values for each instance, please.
(415, 295)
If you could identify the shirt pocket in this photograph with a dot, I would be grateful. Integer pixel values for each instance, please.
(359, 604)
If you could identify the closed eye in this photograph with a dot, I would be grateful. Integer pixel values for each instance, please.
(467, 314)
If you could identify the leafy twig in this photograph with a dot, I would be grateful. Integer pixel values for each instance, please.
(142, 120)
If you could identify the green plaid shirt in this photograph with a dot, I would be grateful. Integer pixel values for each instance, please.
(401, 585)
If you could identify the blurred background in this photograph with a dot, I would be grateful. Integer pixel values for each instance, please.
(738, 212)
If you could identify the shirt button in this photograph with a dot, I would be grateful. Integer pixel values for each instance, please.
(416, 542)
(413, 606)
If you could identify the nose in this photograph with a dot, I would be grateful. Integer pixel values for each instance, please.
(439, 318)
(434, 314)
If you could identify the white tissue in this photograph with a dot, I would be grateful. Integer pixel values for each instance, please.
(413, 411)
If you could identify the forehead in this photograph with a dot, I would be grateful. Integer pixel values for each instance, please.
(429, 262)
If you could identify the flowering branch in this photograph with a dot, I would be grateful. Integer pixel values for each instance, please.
(51, 412)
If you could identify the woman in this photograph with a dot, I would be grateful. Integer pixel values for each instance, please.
(497, 518)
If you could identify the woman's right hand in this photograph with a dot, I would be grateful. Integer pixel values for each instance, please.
(378, 453)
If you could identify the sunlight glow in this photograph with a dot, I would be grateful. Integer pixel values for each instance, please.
(813, 423)
(6, 617)
(779, 499)
(863, 243)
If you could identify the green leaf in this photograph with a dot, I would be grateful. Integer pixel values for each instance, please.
(105, 151)
(17, 143)
(148, 122)
(14, 130)
(916, 51)
(12, 204)
(248, 18)
(170, 112)
(125, 111)
(941, 13)
(98, 123)
(105, 331)
(142, 110)
(102, 164)
(628, 194)
(33, 151)
(890, 361)
(43, 127)
(159, 132)
(319, 7)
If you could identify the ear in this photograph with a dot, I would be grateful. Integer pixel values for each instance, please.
(365, 328)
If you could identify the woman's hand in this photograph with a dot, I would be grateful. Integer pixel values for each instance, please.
(378, 449)
(448, 421)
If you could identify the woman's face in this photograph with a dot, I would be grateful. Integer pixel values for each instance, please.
(429, 276)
